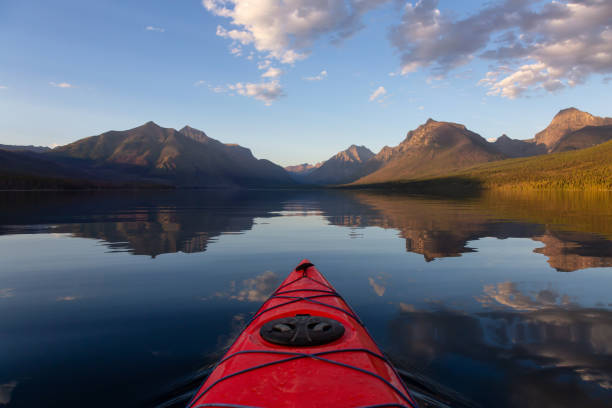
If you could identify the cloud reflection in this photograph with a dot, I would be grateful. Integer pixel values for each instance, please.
(67, 298)
(378, 285)
(256, 289)
(536, 346)
(508, 294)
(6, 391)
(7, 293)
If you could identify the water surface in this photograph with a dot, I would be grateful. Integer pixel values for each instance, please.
(120, 298)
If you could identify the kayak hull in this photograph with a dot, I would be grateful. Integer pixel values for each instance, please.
(347, 372)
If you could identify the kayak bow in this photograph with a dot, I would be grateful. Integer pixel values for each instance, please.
(305, 347)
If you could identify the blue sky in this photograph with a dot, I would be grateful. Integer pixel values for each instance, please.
(71, 69)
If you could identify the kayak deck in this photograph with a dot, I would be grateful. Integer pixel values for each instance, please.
(291, 368)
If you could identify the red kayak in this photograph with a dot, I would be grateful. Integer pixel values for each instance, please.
(304, 347)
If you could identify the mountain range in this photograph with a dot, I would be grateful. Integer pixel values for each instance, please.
(153, 156)
(439, 148)
(148, 154)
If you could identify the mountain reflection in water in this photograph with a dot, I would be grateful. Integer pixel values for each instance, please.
(464, 294)
(536, 352)
(575, 229)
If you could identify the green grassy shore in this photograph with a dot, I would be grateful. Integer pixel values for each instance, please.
(578, 170)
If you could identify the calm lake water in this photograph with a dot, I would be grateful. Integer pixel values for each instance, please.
(125, 298)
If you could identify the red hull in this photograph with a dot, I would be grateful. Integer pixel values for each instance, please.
(348, 372)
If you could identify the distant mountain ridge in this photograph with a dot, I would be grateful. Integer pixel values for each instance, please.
(300, 172)
(303, 168)
(29, 148)
(518, 148)
(343, 167)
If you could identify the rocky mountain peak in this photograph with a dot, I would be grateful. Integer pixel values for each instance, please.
(195, 134)
(150, 124)
(433, 133)
(571, 115)
(570, 110)
(188, 128)
(567, 121)
(354, 153)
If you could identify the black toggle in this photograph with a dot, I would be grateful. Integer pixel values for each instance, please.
(302, 330)
(303, 267)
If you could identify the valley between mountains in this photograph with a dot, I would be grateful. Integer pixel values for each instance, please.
(574, 152)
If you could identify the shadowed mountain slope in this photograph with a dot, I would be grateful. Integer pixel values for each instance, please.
(29, 148)
(191, 159)
(234, 151)
(518, 148)
(433, 148)
(587, 136)
(30, 170)
(584, 169)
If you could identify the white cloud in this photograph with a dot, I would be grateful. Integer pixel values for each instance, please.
(322, 75)
(421, 108)
(3, 87)
(272, 73)
(264, 64)
(521, 80)
(539, 45)
(266, 92)
(378, 94)
(156, 29)
(61, 85)
(213, 88)
(243, 37)
(286, 30)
